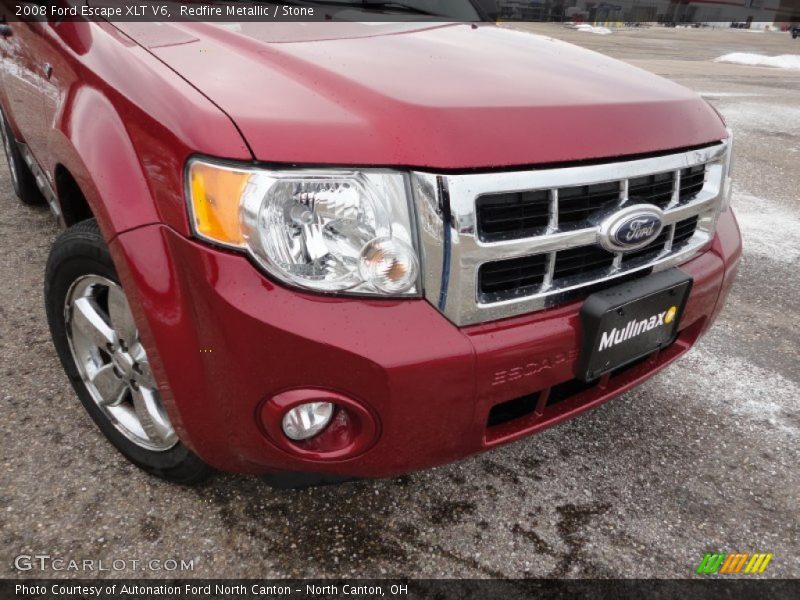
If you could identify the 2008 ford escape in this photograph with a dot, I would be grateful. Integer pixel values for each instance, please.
(358, 249)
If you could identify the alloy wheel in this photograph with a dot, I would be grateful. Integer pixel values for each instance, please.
(113, 364)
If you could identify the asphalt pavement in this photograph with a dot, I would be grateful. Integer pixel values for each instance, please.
(702, 457)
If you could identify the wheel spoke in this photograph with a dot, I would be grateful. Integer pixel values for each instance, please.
(119, 311)
(145, 377)
(147, 374)
(87, 319)
(110, 387)
(152, 419)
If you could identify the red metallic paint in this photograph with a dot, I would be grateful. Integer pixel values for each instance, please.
(437, 96)
(229, 338)
(727, 243)
(223, 339)
(260, 338)
(119, 120)
(609, 387)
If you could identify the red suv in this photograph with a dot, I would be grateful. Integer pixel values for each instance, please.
(358, 249)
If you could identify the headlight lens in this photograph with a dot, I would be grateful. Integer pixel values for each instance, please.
(343, 231)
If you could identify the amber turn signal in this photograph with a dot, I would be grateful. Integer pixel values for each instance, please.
(215, 197)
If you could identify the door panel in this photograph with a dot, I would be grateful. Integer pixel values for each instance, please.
(24, 81)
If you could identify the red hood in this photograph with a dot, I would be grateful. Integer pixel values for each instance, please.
(441, 96)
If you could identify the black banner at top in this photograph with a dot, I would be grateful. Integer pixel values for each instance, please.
(735, 13)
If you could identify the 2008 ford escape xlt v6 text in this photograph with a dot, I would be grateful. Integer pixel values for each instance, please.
(358, 249)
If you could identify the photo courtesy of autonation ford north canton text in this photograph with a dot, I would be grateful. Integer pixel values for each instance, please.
(408, 298)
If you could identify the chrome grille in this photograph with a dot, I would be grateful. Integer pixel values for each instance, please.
(517, 242)
(524, 214)
(501, 280)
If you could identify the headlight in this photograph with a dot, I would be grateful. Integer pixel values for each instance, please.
(346, 231)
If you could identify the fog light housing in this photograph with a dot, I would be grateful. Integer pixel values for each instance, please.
(318, 425)
(307, 420)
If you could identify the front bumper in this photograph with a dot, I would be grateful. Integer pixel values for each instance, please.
(223, 338)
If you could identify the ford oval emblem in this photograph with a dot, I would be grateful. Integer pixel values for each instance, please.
(631, 228)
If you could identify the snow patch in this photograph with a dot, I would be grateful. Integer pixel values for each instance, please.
(739, 387)
(782, 61)
(769, 229)
(586, 28)
(730, 94)
(756, 116)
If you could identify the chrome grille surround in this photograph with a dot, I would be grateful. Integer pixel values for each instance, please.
(452, 251)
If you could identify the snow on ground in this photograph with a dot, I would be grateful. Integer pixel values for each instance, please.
(768, 228)
(586, 28)
(782, 61)
(735, 385)
(730, 94)
(744, 117)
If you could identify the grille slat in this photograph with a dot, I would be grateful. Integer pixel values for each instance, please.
(586, 262)
(565, 213)
(598, 256)
(684, 230)
(509, 278)
(577, 204)
(687, 180)
(692, 182)
(652, 189)
(516, 214)
(650, 251)
(513, 215)
(586, 194)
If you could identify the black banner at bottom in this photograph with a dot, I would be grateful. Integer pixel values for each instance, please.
(411, 589)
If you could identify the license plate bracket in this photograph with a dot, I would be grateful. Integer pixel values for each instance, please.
(624, 323)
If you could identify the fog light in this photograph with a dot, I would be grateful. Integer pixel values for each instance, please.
(307, 420)
(318, 425)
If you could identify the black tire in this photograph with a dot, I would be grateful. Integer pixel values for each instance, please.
(80, 251)
(21, 176)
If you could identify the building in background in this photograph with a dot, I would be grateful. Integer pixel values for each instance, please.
(744, 13)
(788, 13)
